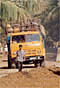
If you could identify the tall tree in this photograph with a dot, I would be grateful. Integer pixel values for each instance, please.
(51, 4)
(59, 3)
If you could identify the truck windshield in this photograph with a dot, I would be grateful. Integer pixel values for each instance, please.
(18, 38)
(32, 37)
(26, 38)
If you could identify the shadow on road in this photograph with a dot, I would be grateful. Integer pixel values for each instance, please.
(28, 67)
(4, 68)
(4, 60)
(55, 72)
(24, 67)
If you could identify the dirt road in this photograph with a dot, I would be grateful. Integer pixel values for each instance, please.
(30, 77)
(36, 78)
(51, 58)
(4, 71)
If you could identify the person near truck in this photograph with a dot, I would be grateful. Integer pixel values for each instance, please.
(20, 57)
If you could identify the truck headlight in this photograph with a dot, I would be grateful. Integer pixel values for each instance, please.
(38, 51)
(43, 54)
(14, 53)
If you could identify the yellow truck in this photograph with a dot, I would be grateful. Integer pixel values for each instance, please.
(32, 44)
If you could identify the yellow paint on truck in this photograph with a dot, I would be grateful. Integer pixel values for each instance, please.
(33, 48)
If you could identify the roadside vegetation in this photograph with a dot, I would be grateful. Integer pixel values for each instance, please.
(47, 11)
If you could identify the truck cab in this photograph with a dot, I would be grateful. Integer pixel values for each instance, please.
(32, 44)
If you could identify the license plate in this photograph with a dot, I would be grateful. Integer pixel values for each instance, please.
(32, 58)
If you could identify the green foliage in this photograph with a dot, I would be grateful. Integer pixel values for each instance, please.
(21, 9)
(1, 30)
(32, 6)
(51, 4)
(9, 11)
(59, 3)
(52, 24)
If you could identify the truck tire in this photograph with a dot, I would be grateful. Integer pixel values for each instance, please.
(35, 64)
(9, 62)
(42, 62)
(16, 65)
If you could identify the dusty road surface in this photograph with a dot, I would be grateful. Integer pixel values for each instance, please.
(30, 77)
(36, 78)
(4, 71)
(51, 58)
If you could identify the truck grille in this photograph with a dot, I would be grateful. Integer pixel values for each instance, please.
(30, 51)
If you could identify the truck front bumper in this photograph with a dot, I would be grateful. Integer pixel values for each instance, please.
(37, 58)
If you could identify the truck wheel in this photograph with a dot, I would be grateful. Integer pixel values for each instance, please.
(9, 63)
(36, 64)
(42, 62)
(16, 65)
